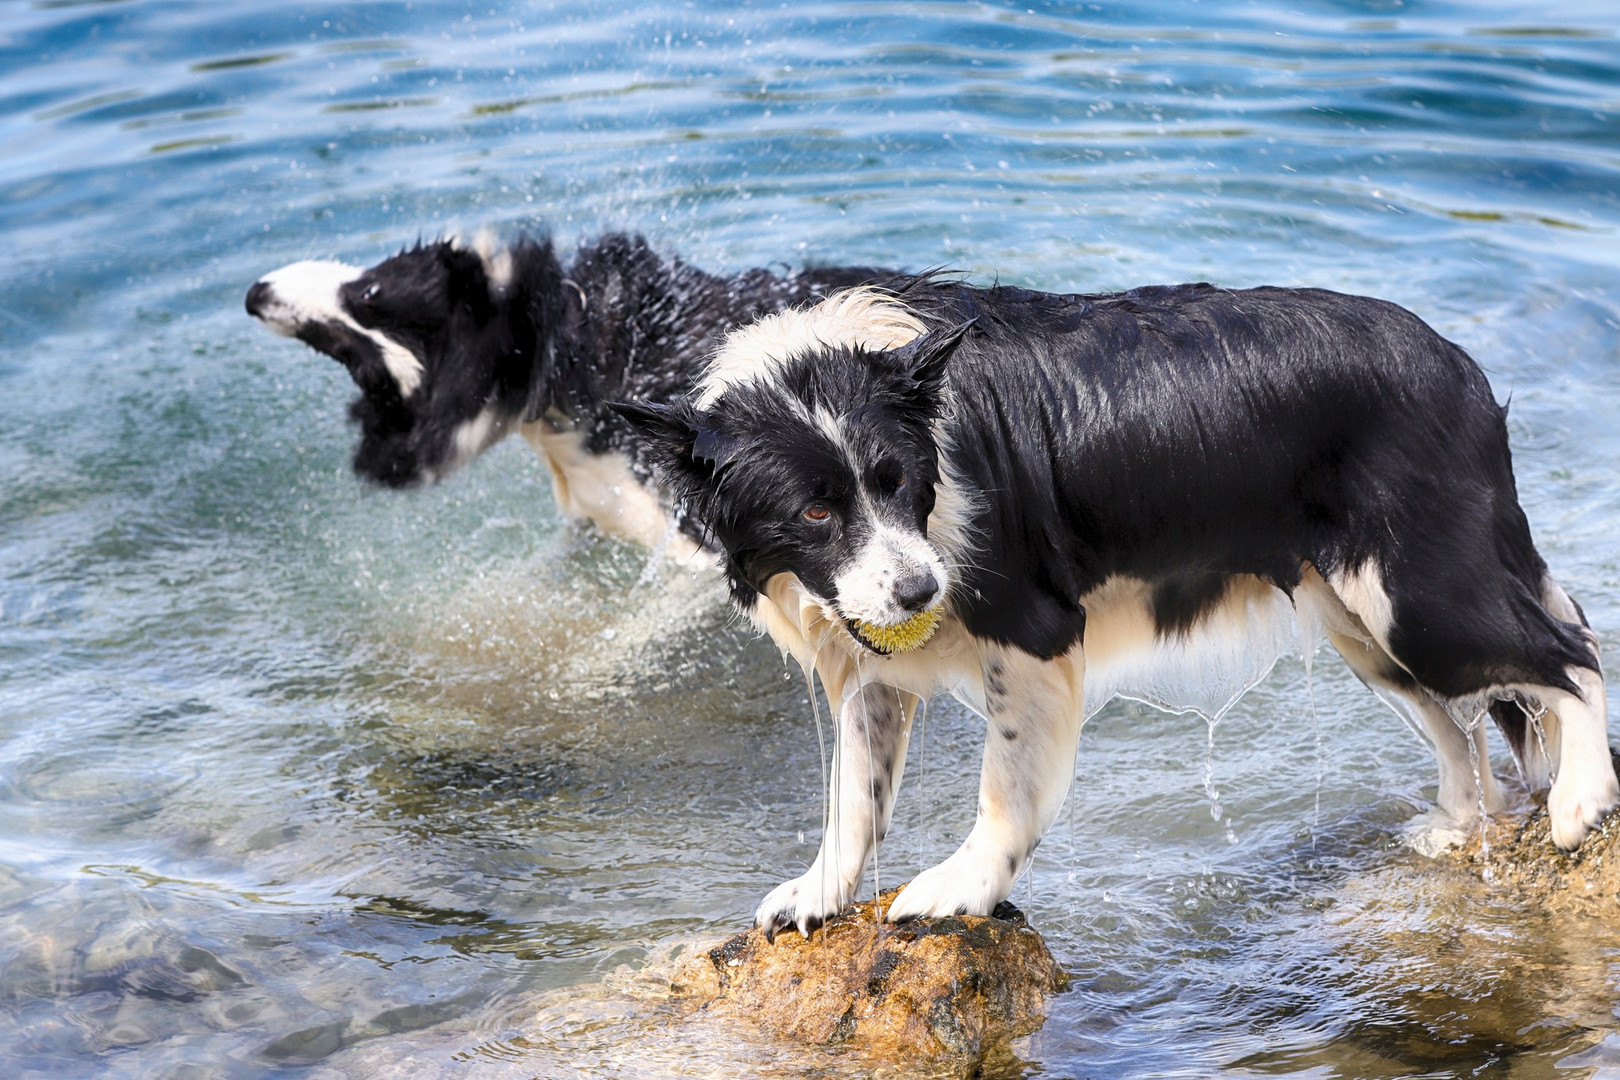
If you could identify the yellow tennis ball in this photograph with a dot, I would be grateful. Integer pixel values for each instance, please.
(901, 637)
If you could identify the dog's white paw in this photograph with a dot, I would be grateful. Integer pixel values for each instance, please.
(1579, 799)
(803, 903)
(957, 886)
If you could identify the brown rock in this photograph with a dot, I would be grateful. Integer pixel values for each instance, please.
(1518, 853)
(958, 986)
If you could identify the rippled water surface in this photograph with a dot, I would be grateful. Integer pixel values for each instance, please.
(300, 776)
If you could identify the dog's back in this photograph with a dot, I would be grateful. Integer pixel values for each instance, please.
(1187, 434)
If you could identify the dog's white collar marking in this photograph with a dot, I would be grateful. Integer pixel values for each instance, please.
(307, 292)
(862, 317)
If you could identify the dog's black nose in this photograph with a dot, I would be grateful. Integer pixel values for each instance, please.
(258, 295)
(916, 592)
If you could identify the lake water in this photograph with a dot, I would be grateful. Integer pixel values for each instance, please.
(302, 777)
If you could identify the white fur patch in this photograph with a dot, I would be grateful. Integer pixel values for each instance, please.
(957, 506)
(1205, 670)
(1362, 590)
(307, 292)
(866, 586)
(497, 258)
(862, 317)
(476, 435)
(604, 489)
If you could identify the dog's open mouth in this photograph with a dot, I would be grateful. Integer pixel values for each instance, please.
(898, 637)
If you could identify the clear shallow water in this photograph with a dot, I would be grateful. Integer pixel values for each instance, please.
(300, 776)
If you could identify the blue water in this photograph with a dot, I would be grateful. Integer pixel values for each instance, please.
(297, 776)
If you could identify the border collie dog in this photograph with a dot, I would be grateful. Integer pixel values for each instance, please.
(455, 345)
(1036, 502)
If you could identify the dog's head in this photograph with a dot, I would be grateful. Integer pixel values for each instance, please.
(823, 467)
(442, 341)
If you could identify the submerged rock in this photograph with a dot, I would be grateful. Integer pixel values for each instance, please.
(957, 986)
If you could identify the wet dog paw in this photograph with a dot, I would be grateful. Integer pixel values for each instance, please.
(954, 887)
(802, 904)
(1578, 801)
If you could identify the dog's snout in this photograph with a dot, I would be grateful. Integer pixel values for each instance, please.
(916, 591)
(258, 295)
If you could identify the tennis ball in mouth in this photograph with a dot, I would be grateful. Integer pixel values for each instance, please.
(903, 636)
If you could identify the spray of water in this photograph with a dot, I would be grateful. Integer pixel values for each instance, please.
(655, 561)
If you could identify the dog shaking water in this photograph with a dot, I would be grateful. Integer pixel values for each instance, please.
(1122, 494)
(453, 345)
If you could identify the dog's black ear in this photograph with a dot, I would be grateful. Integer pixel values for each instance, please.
(684, 447)
(924, 358)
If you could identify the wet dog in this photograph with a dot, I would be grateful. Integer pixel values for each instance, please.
(454, 345)
(1036, 502)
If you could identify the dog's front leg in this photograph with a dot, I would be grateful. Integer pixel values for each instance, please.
(874, 728)
(1034, 709)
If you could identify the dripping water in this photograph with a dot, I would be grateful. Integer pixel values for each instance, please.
(922, 769)
(1209, 770)
(1310, 639)
(826, 778)
(871, 795)
(1316, 726)
(1074, 780)
(1535, 716)
(1474, 762)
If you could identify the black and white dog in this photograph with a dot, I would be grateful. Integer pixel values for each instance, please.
(453, 345)
(1080, 496)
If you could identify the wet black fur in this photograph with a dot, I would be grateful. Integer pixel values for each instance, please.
(620, 321)
(1181, 435)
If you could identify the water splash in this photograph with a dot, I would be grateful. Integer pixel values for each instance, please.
(655, 560)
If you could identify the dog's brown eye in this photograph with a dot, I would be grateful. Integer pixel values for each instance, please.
(371, 291)
(816, 512)
(889, 477)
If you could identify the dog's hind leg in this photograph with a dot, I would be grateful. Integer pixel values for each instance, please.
(1466, 780)
(1033, 712)
(1576, 727)
(1474, 618)
(1357, 614)
(874, 727)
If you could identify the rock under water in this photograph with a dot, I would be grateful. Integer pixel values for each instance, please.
(956, 986)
